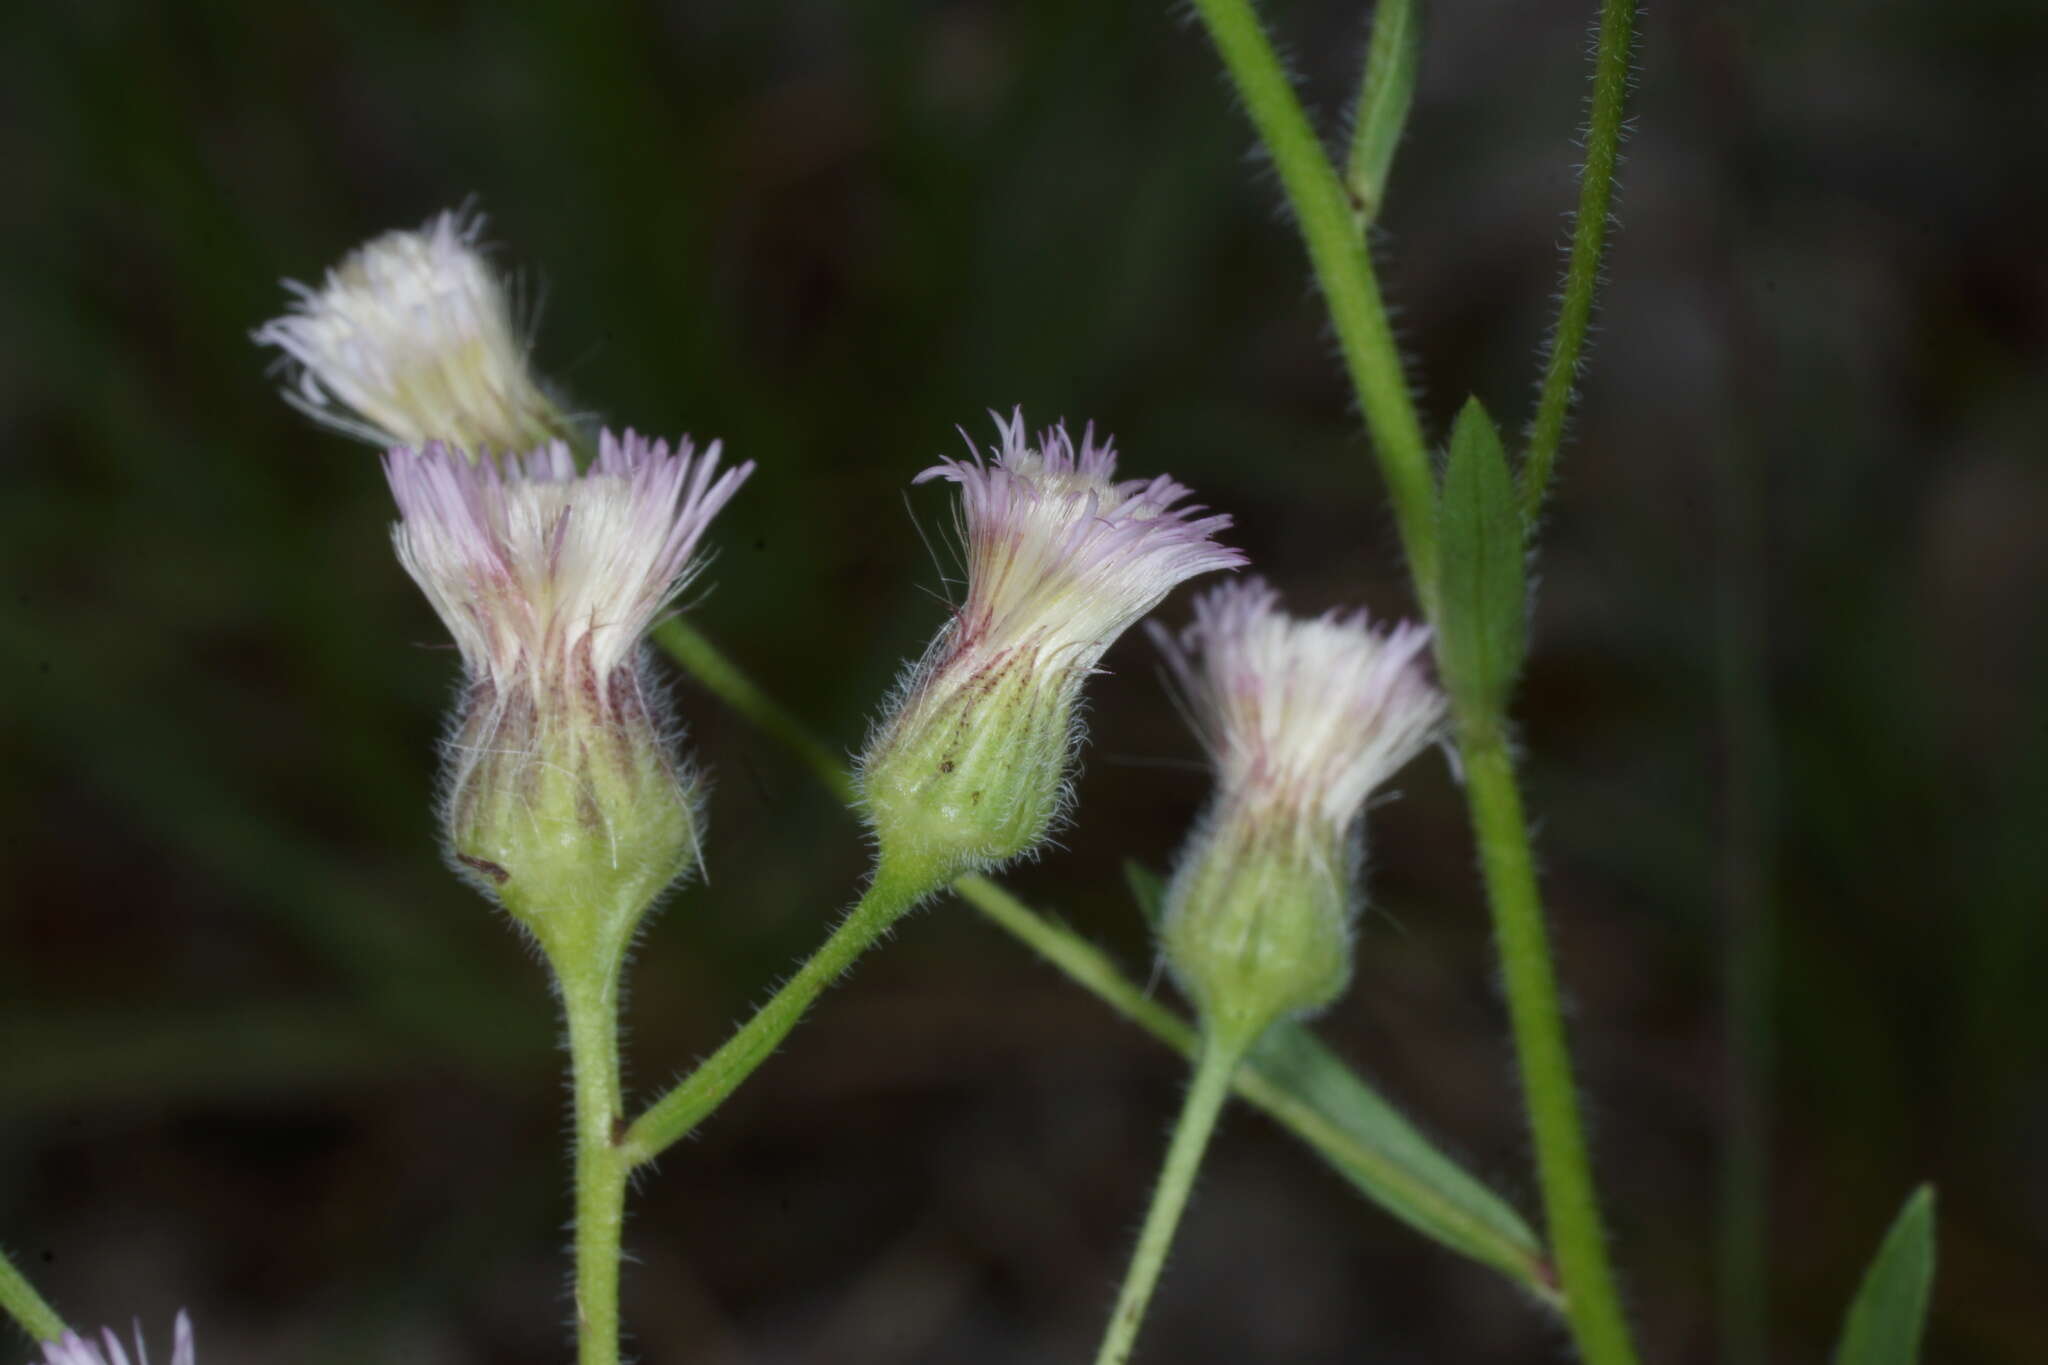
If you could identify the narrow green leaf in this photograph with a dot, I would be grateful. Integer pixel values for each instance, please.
(1385, 1156)
(1890, 1310)
(1384, 94)
(1481, 620)
(1309, 1091)
(1148, 889)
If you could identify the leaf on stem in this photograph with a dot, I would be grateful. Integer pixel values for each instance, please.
(1481, 613)
(1387, 1158)
(1890, 1309)
(1384, 94)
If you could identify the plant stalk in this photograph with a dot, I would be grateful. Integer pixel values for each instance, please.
(1343, 268)
(28, 1308)
(1570, 1206)
(591, 1005)
(1589, 241)
(1214, 1066)
(675, 1114)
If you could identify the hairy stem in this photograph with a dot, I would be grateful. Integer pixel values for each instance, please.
(672, 1117)
(591, 1004)
(1088, 966)
(1589, 240)
(1214, 1066)
(1343, 268)
(28, 1308)
(1571, 1210)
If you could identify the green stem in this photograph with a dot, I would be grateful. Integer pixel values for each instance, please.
(1571, 1210)
(27, 1307)
(1211, 1087)
(1589, 240)
(1091, 968)
(592, 1006)
(672, 1117)
(1344, 270)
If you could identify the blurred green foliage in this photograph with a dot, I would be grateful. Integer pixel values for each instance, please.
(259, 1054)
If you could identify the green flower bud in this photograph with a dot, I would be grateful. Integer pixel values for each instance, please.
(570, 810)
(1303, 720)
(969, 770)
(1257, 923)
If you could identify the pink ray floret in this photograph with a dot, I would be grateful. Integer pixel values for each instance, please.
(1062, 554)
(1309, 714)
(72, 1349)
(535, 567)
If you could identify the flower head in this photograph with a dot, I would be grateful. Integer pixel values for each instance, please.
(562, 788)
(409, 340)
(1303, 720)
(72, 1349)
(969, 768)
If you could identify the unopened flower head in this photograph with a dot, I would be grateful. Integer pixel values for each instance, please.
(72, 1349)
(410, 340)
(969, 768)
(1303, 720)
(564, 797)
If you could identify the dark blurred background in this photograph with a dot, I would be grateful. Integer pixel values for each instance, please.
(261, 1056)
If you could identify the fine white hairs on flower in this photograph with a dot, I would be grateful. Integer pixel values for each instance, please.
(532, 565)
(72, 1349)
(409, 340)
(1060, 554)
(1314, 713)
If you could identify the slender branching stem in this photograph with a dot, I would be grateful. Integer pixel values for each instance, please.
(1215, 1064)
(1570, 1207)
(1090, 967)
(675, 1114)
(1343, 268)
(1500, 826)
(28, 1308)
(1589, 240)
(591, 1004)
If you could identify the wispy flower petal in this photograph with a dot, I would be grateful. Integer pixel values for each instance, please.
(73, 1349)
(410, 340)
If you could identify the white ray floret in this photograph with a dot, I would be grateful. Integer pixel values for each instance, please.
(411, 339)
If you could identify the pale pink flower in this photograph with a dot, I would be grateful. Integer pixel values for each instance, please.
(562, 785)
(969, 768)
(1303, 720)
(1310, 714)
